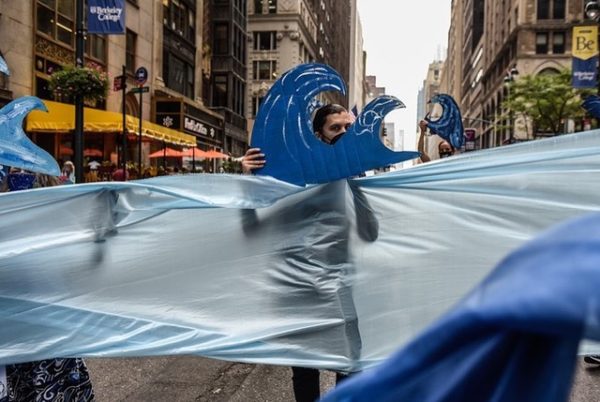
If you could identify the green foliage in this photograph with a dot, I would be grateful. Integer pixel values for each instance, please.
(546, 99)
(91, 83)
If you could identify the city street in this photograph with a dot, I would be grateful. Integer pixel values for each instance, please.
(200, 379)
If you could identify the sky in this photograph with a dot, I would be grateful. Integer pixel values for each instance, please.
(401, 38)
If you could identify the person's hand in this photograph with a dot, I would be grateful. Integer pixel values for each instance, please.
(423, 125)
(253, 159)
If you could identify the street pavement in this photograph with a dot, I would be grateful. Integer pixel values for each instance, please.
(186, 378)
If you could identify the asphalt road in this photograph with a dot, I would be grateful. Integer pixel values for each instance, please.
(175, 379)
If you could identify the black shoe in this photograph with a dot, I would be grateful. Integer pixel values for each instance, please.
(592, 359)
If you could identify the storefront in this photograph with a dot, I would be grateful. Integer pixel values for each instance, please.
(53, 131)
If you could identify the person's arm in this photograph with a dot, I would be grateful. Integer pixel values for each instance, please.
(253, 159)
(421, 146)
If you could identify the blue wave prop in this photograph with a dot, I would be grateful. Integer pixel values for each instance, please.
(513, 338)
(592, 105)
(15, 148)
(3, 66)
(283, 131)
(449, 126)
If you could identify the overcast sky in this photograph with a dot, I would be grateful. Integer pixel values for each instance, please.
(401, 38)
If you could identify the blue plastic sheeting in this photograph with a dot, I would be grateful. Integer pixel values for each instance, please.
(16, 149)
(283, 131)
(513, 338)
(449, 126)
(252, 269)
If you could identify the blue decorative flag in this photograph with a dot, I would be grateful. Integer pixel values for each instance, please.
(106, 16)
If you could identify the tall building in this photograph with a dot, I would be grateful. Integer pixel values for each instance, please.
(500, 39)
(283, 34)
(167, 39)
(358, 62)
(228, 69)
(431, 86)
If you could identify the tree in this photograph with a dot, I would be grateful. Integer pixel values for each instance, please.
(546, 99)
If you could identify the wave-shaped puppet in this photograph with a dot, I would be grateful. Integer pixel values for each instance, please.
(15, 148)
(592, 105)
(3, 66)
(449, 126)
(283, 131)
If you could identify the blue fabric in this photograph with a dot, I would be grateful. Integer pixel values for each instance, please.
(513, 338)
(283, 131)
(253, 269)
(449, 126)
(16, 149)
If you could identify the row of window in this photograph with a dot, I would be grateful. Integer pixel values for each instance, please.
(265, 6)
(550, 9)
(180, 18)
(546, 41)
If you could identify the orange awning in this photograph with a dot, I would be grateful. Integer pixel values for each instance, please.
(61, 118)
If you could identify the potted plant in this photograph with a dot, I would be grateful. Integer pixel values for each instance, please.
(89, 82)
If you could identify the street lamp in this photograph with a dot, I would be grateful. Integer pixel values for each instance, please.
(592, 10)
(508, 79)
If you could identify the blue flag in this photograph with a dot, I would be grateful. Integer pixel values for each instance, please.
(106, 16)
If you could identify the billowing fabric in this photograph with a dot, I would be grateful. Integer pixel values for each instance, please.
(283, 131)
(252, 269)
(449, 126)
(513, 338)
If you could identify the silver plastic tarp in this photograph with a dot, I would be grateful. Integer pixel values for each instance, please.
(252, 269)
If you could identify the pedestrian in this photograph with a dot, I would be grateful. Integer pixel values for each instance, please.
(331, 121)
(68, 173)
(445, 149)
(59, 379)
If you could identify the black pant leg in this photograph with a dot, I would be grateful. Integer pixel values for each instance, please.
(306, 384)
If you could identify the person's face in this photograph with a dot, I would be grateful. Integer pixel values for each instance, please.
(335, 126)
(445, 150)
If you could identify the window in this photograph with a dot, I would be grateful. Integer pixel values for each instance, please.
(55, 18)
(221, 38)
(272, 6)
(264, 69)
(239, 44)
(95, 47)
(541, 43)
(178, 75)
(180, 18)
(220, 91)
(256, 102)
(265, 40)
(550, 9)
(258, 6)
(558, 42)
(131, 39)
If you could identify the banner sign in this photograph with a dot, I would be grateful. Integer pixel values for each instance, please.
(106, 16)
(585, 57)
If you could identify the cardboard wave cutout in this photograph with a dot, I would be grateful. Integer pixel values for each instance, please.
(283, 131)
(449, 126)
(16, 149)
(3, 66)
(592, 105)
(253, 269)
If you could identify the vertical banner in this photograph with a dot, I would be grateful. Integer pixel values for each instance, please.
(106, 16)
(585, 56)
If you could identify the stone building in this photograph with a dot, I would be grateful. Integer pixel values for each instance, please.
(502, 39)
(167, 37)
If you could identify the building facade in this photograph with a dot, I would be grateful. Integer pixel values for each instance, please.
(285, 33)
(196, 79)
(502, 39)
